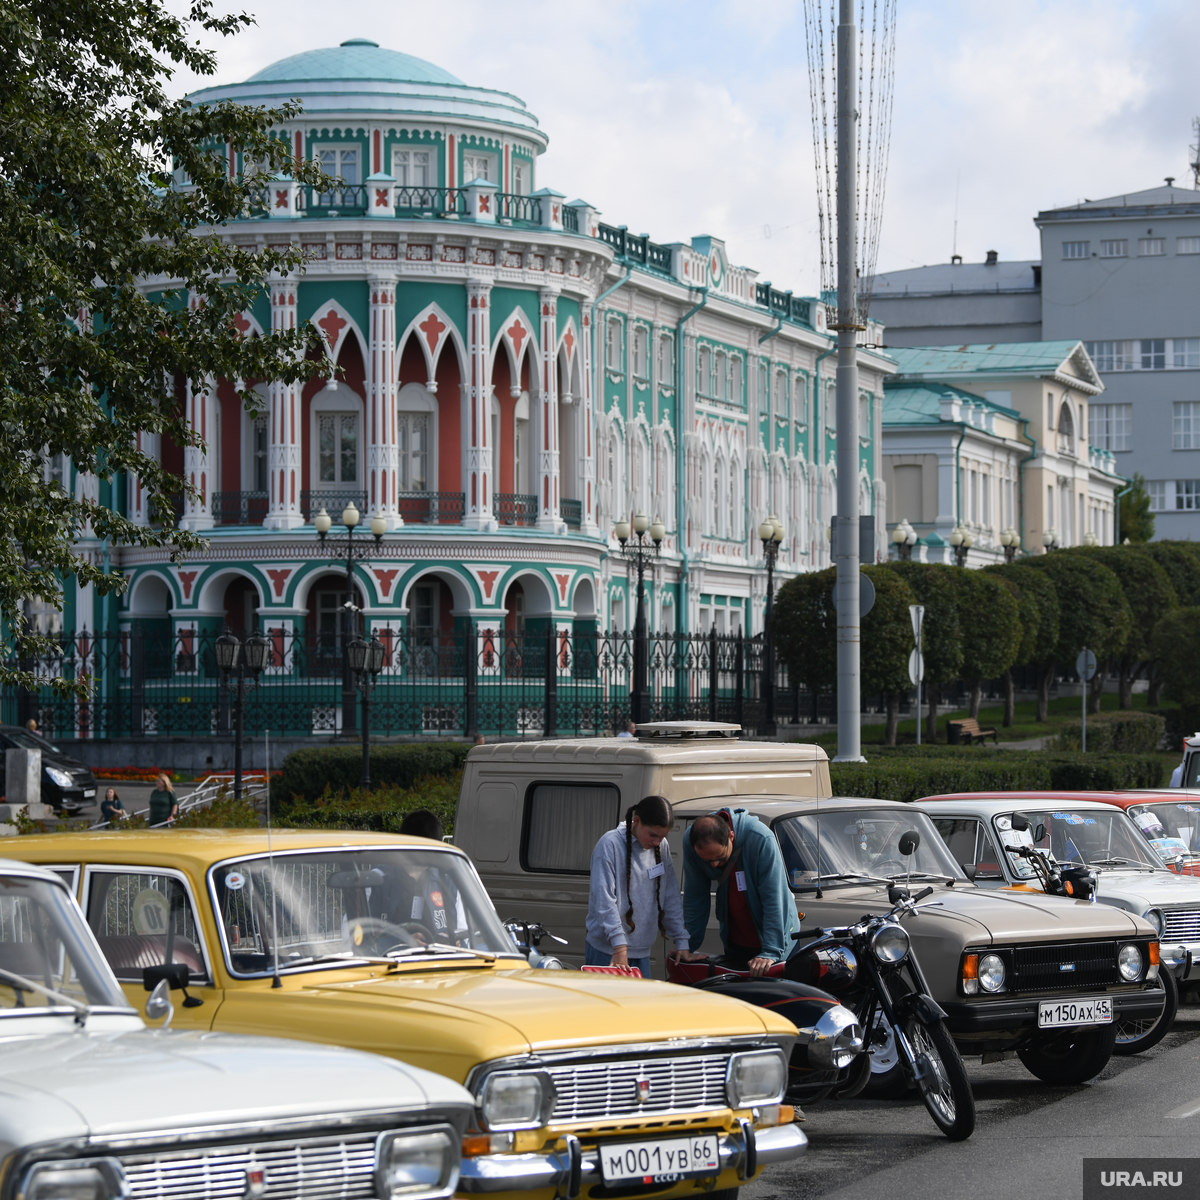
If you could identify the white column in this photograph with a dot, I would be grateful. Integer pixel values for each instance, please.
(548, 458)
(284, 410)
(587, 447)
(477, 434)
(138, 507)
(383, 456)
(199, 461)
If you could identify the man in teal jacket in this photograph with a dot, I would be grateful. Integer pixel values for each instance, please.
(755, 908)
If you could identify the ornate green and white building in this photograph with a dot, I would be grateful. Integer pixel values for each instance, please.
(514, 376)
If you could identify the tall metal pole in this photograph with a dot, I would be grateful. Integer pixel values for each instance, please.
(348, 633)
(846, 526)
(239, 709)
(770, 725)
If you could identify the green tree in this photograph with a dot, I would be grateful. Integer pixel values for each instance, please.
(1181, 561)
(1093, 614)
(88, 141)
(1150, 597)
(989, 617)
(1176, 644)
(933, 586)
(1137, 521)
(1037, 604)
(887, 642)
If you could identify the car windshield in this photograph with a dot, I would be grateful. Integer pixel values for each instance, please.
(329, 905)
(1087, 837)
(45, 948)
(1172, 828)
(851, 844)
(23, 739)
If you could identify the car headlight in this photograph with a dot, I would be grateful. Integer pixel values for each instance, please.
(991, 973)
(95, 1179)
(1129, 963)
(516, 1101)
(890, 943)
(757, 1078)
(417, 1163)
(1156, 918)
(59, 777)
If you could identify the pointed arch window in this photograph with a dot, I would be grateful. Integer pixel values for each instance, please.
(1066, 430)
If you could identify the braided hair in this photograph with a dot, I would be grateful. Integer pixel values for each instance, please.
(655, 811)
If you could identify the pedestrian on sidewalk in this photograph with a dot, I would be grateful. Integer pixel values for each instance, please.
(164, 806)
(111, 808)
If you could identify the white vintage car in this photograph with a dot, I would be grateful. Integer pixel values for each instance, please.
(97, 1106)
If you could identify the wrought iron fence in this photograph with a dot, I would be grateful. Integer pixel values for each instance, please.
(147, 682)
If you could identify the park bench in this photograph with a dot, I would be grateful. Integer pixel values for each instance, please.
(969, 731)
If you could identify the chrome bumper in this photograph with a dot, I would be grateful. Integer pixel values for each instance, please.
(570, 1170)
(1182, 959)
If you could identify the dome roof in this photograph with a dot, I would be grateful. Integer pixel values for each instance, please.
(358, 58)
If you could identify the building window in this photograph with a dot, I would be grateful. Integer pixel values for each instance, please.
(478, 166)
(666, 361)
(800, 408)
(764, 390)
(1075, 249)
(1049, 410)
(1151, 247)
(1154, 354)
(612, 342)
(1111, 356)
(413, 435)
(1066, 430)
(641, 358)
(337, 447)
(1187, 245)
(1187, 494)
(704, 372)
(1157, 491)
(411, 168)
(1185, 433)
(864, 417)
(720, 373)
(1186, 353)
(520, 177)
(1114, 248)
(262, 446)
(781, 405)
(1110, 425)
(339, 162)
(735, 381)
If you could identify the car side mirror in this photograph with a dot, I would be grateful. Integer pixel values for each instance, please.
(970, 870)
(159, 1005)
(896, 894)
(1039, 834)
(909, 842)
(175, 976)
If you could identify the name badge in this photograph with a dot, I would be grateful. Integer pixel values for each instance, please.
(418, 908)
(740, 876)
(657, 870)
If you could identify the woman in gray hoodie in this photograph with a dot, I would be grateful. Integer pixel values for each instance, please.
(634, 894)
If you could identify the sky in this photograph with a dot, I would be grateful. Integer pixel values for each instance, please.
(681, 118)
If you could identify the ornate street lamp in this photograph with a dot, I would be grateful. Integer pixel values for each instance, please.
(323, 522)
(366, 660)
(771, 533)
(1010, 539)
(638, 552)
(1050, 539)
(905, 537)
(235, 659)
(962, 541)
(1090, 539)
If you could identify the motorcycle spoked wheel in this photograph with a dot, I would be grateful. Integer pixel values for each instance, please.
(1134, 1036)
(948, 1096)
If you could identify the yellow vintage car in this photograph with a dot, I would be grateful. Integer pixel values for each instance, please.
(583, 1084)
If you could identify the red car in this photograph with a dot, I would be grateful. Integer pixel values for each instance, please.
(1169, 819)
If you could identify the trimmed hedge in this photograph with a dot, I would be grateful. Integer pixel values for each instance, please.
(382, 809)
(308, 774)
(1115, 732)
(908, 778)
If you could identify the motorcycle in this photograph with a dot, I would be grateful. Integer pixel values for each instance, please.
(527, 936)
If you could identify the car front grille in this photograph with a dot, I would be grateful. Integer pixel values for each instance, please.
(307, 1168)
(596, 1091)
(1183, 925)
(1072, 966)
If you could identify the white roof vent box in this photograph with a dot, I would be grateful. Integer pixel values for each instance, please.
(679, 730)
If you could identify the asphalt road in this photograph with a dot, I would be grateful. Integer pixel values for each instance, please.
(1030, 1139)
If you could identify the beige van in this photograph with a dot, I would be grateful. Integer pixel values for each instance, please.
(537, 809)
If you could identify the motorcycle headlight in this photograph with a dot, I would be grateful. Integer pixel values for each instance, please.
(549, 963)
(757, 1078)
(59, 777)
(889, 943)
(1156, 918)
(96, 1179)
(836, 1039)
(516, 1101)
(1129, 963)
(417, 1163)
(991, 973)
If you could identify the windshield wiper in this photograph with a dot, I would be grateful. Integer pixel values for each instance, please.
(441, 948)
(28, 985)
(817, 880)
(928, 875)
(342, 956)
(1118, 862)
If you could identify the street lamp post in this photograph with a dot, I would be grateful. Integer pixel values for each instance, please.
(366, 661)
(1010, 539)
(1050, 539)
(962, 541)
(905, 537)
(638, 553)
(771, 532)
(323, 523)
(234, 659)
(1090, 539)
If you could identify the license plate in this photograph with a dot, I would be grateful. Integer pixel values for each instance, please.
(1052, 1013)
(88, 793)
(660, 1162)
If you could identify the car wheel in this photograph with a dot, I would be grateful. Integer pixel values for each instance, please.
(1138, 1034)
(888, 1081)
(1073, 1056)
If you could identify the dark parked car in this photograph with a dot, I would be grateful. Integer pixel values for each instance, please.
(67, 784)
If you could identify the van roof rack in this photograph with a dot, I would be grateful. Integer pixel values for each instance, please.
(687, 729)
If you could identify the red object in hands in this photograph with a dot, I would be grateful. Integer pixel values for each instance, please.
(700, 969)
(628, 972)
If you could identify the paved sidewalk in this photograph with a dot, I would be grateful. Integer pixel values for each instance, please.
(1038, 743)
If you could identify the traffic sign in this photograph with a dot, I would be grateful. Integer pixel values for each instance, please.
(866, 595)
(916, 667)
(917, 613)
(1085, 665)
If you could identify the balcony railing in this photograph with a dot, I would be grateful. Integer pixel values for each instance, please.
(311, 503)
(572, 512)
(515, 509)
(638, 249)
(570, 218)
(431, 508)
(239, 508)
